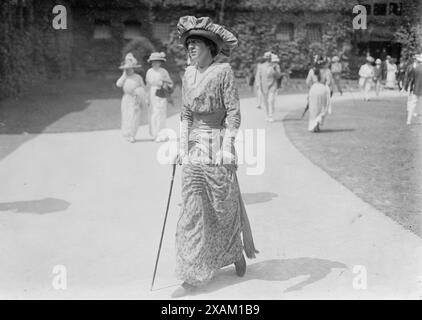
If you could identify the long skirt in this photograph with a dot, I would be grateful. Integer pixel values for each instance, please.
(131, 116)
(414, 106)
(365, 85)
(259, 97)
(390, 82)
(212, 220)
(269, 99)
(319, 105)
(158, 115)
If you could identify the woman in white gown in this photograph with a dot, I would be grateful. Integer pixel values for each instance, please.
(133, 97)
(366, 74)
(156, 78)
(390, 82)
(319, 102)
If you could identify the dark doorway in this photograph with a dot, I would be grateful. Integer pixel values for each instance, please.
(376, 49)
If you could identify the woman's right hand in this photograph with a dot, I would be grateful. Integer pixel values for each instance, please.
(180, 158)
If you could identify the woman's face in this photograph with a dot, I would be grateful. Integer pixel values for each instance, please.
(197, 50)
(129, 71)
(156, 64)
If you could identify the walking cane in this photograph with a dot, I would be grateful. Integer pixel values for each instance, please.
(164, 226)
(306, 109)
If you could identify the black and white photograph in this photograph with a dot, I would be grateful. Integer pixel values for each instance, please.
(210, 150)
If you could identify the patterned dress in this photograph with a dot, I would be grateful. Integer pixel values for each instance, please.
(213, 216)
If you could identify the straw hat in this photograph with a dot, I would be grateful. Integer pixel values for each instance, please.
(370, 59)
(274, 58)
(267, 54)
(130, 62)
(204, 27)
(157, 56)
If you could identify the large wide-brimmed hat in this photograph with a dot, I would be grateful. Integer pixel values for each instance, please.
(267, 55)
(130, 62)
(157, 56)
(204, 27)
(274, 58)
(370, 59)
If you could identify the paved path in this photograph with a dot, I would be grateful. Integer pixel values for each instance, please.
(94, 204)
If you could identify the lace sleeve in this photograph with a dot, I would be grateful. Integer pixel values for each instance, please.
(232, 105)
(185, 122)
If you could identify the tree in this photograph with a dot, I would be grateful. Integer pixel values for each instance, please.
(410, 32)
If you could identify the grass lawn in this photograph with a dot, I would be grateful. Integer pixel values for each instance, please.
(370, 150)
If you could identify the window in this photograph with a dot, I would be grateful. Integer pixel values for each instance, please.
(368, 8)
(314, 32)
(161, 31)
(367, 4)
(27, 16)
(395, 9)
(380, 9)
(132, 30)
(285, 32)
(102, 30)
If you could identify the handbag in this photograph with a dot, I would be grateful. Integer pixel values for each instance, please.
(164, 91)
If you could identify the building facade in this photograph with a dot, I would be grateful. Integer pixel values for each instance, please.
(100, 33)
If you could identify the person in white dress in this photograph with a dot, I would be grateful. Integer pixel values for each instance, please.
(413, 86)
(366, 74)
(134, 97)
(390, 82)
(257, 84)
(158, 78)
(319, 102)
(267, 78)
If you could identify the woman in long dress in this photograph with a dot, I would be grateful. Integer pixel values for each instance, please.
(156, 78)
(390, 82)
(327, 79)
(133, 97)
(319, 103)
(378, 76)
(213, 215)
(366, 76)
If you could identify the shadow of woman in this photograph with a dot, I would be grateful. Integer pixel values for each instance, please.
(276, 270)
(258, 197)
(336, 130)
(42, 206)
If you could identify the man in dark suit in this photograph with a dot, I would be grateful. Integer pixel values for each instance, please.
(413, 85)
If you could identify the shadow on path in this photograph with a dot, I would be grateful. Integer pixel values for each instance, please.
(42, 206)
(290, 119)
(258, 197)
(336, 130)
(144, 140)
(276, 270)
